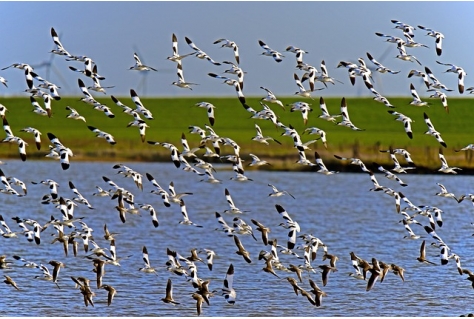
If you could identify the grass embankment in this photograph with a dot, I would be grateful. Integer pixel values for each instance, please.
(172, 116)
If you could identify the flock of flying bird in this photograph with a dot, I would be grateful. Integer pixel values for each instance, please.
(186, 267)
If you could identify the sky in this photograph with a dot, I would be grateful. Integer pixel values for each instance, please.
(110, 33)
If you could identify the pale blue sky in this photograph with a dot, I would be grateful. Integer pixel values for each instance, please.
(109, 33)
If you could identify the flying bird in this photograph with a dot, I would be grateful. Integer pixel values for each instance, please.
(139, 66)
(277, 56)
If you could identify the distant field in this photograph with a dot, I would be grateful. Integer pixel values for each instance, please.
(173, 116)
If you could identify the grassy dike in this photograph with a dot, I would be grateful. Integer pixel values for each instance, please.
(173, 116)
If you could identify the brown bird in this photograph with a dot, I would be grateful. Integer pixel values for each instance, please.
(470, 275)
(308, 296)
(85, 290)
(319, 294)
(385, 268)
(203, 290)
(326, 269)
(4, 264)
(294, 284)
(99, 265)
(332, 259)
(62, 239)
(56, 267)
(422, 258)
(242, 252)
(74, 244)
(85, 282)
(10, 281)
(169, 293)
(268, 266)
(397, 270)
(111, 293)
(194, 256)
(297, 270)
(264, 230)
(108, 235)
(364, 264)
(199, 299)
(375, 274)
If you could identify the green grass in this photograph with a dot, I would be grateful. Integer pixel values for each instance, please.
(172, 116)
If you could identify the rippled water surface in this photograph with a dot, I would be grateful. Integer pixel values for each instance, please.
(339, 209)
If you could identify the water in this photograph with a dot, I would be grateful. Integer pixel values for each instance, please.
(338, 209)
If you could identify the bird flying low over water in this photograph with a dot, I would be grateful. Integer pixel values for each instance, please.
(241, 250)
(227, 290)
(64, 152)
(169, 294)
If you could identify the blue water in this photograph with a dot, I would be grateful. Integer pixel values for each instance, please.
(339, 209)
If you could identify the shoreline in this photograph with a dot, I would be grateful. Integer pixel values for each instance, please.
(277, 162)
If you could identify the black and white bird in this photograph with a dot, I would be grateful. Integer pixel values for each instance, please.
(199, 53)
(271, 98)
(261, 138)
(277, 56)
(460, 73)
(140, 108)
(346, 121)
(380, 68)
(420, 74)
(64, 152)
(176, 57)
(11, 138)
(389, 174)
(325, 114)
(181, 83)
(444, 193)
(101, 134)
(142, 126)
(301, 90)
(405, 120)
(432, 131)
(443, 97)
(438, 38)
(210, 110)
(139, 66)
(59, 50)
(416, 98)
(322, 168)
(445, 168)
(227, 290)
(404, 56)
(354, 161)
(225, 43)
